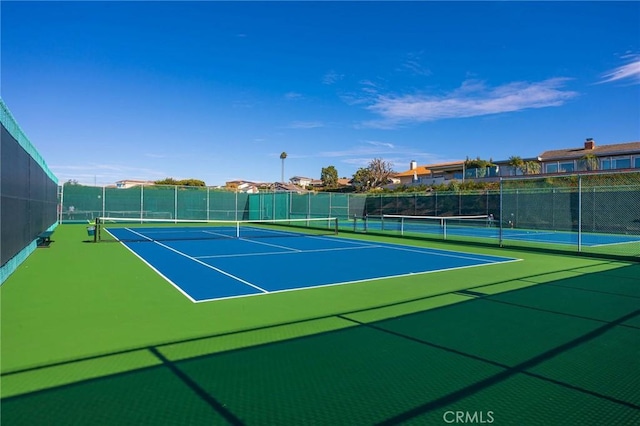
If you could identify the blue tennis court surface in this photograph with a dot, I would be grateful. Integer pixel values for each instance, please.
(204, 269)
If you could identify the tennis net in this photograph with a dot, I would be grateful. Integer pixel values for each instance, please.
(141, 230)
(477, 225)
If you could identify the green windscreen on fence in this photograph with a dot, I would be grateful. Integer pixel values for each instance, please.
(28, 195)
(594, 213)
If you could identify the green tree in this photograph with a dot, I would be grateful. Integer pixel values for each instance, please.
(362, 179)
(329, 177)
(72, 182)
(183, 182)
(479, 165)
(191, 182)
(166, 181)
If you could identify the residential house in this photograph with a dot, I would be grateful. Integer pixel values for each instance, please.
(130, 183)
(243, 186)
(301, 181)
(290, 187)
(591, 157)
(587, 157)
(431, 174)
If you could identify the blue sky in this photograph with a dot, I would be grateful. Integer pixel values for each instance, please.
(217, 90)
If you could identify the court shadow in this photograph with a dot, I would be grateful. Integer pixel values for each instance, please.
(572, 341)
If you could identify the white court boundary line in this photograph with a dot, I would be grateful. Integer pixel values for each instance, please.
(409, 274)
(200, 262)
(363, 245)
(154, 269)
(418, 249)
(615, 244)
(216, 256)
(270, 245)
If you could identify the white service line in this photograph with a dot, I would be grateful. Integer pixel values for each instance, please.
(201, 262)
(218, 234)
(216, 256)
(270, 245)
(424, 250)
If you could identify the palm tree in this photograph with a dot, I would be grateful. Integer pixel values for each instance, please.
(282, 157)
(516, 162)
(531, 168)
(589, 162)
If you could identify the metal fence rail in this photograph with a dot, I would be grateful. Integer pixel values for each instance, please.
(595, 213)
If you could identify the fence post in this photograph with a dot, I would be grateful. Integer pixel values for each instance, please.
(61, 203)
(175, 203)
(501, 213)
(435, 204)
(579, 213)
(141, 202)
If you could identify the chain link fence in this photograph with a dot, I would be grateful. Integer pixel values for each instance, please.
(593, 213)
(28, 191)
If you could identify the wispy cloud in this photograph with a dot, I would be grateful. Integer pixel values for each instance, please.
(291, 96)
(370, 149)
(629, 72)
(332, 77)
(381, 144)
(473, 98)
(304, 125)
(361, 154)
(414, 65)
(104, 173)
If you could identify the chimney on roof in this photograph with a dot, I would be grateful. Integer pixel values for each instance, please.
(413, 165)
(589, 144)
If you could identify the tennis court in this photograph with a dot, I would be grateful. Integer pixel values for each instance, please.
(483, 227)
(93, 335)
(210, 262)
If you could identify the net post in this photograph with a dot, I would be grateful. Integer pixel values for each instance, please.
(96, 231)
(444, 228)
(237, 229)
(336, 226)
(402, 226)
